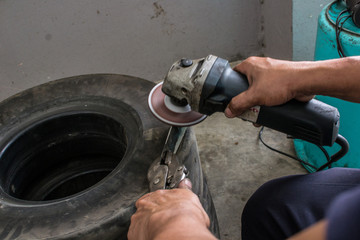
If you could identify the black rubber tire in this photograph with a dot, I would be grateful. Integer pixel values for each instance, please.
(101, 116)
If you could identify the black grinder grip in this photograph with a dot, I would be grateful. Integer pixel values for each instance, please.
(312, 121)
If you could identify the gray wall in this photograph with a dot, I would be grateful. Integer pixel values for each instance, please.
(277, 28)
(289, 28)
(43, 40)
(305, 16)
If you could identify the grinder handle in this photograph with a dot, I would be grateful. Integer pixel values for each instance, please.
(312, 121)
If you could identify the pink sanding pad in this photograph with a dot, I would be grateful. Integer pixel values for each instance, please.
(182, 118)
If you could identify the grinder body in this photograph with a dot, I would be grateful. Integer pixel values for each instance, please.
(209, 84)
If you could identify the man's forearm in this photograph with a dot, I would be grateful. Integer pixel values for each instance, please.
(336, 78)
(314, 232)
(184, 228)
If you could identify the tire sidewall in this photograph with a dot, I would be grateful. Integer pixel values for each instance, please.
(96, 211)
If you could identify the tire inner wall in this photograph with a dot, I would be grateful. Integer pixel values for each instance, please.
(61, 156)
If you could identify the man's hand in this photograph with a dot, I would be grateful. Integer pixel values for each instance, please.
(170, 214)
(271, 82)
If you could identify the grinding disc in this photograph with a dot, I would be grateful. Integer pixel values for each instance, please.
(164, 110)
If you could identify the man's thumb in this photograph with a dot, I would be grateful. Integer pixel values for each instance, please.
(186, 184)
(229, 113)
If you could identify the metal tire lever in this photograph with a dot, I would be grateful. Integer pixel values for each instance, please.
(167, 171)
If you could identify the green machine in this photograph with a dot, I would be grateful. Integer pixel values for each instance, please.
(338, 35)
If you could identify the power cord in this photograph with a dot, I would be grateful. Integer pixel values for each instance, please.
(339, 140)
(338, 28)
(344, 144)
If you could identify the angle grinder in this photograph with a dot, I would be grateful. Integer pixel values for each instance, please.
(193, 89)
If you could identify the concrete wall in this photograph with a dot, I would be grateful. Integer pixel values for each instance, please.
(43, 40)
(277, 28)
(305, 16)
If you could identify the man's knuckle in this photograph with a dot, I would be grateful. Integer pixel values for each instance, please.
(140, 203)
(251, 59)
(160, 192)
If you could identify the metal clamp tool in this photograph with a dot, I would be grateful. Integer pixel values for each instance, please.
(167, 171)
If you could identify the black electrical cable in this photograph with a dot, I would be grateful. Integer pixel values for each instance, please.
(337, 33)
(338, 29)
(343, 22)
(339, 140)
(283, 153)
(344, 144)
(325, 152)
